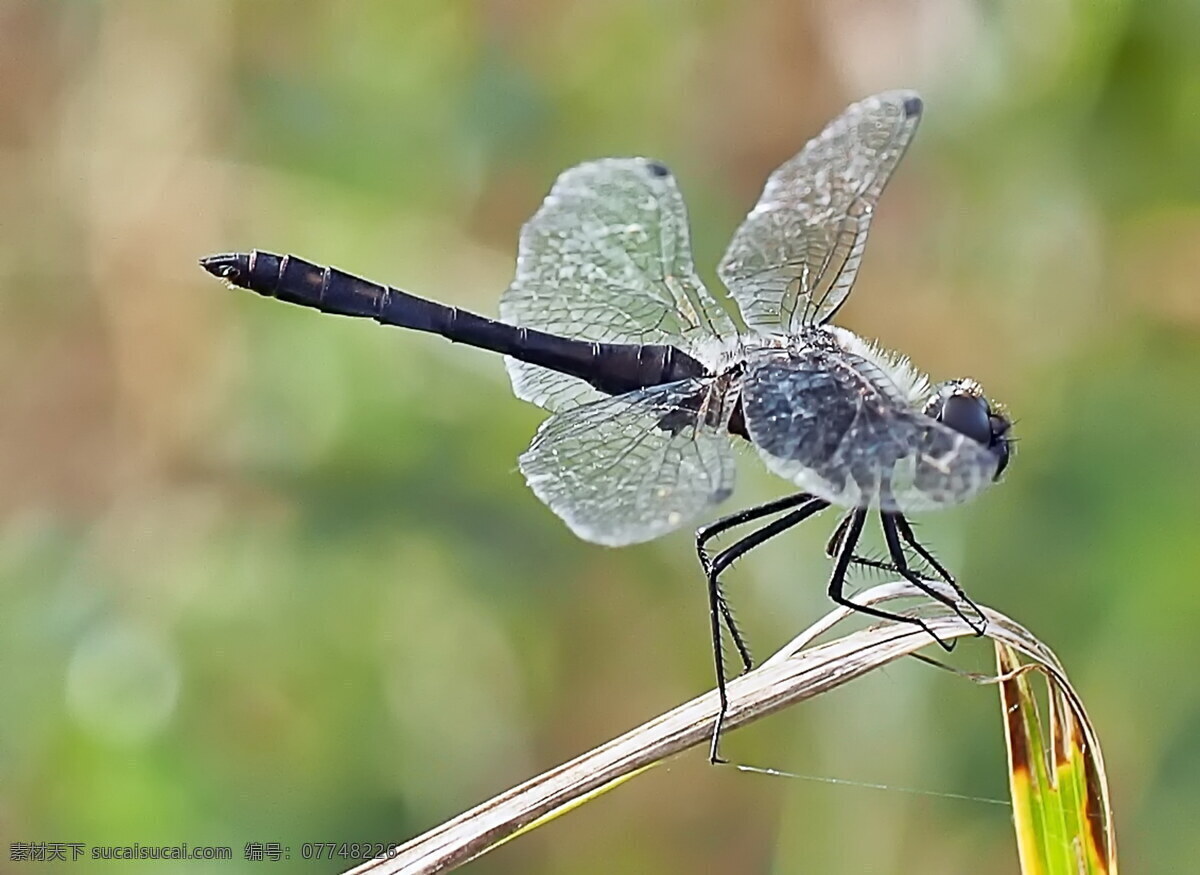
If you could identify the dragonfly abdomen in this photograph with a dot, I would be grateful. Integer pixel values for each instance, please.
(613, 368)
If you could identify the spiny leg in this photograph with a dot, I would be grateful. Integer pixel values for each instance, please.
(722, 561)
(739, 640)
(890, 535)
(899, 565)
(835, 544)
(867, 562)
(706, 533)
(906, 532)
(845, 554)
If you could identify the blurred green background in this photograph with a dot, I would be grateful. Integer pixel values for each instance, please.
(269, 575)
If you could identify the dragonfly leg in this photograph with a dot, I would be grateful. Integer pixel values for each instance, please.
(739, 640)
(866, 562)
(714, 599)
(706, 533)
(904, 529)
(726, 558)
(892, 536)
(837, 581)
(835, 544)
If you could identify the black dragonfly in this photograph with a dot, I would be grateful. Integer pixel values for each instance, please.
(607, 325)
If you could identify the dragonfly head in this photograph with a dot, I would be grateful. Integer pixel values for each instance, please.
(962, 405)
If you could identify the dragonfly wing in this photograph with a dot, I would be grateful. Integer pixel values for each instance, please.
(631, 468)
(835, 425)
(794, 259)
(608, 258)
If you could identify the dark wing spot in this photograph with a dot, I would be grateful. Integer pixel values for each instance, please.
(657, 169)
(912, 107)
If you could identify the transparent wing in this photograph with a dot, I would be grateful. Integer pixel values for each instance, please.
(835, 426)
(607, 258)
(794, 258)
(634, 467)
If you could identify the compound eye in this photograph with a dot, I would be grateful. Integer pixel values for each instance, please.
(968, 415)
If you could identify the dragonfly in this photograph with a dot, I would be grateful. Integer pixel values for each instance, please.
(650, 382)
